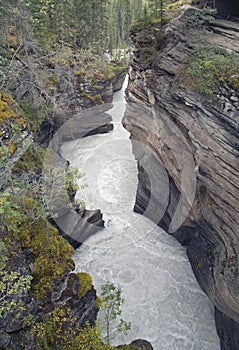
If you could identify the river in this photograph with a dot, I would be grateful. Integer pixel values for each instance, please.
(162, 298)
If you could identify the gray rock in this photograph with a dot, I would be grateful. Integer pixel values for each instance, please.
(76, 227)
(228, 331)
(142, 344)
(118, 81)
(234, 99)
(4, 339)
(181, 129)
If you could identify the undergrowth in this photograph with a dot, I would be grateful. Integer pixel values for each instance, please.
(209, 68)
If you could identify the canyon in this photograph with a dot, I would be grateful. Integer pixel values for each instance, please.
(163, 301)
(186, 146)
(194, 138)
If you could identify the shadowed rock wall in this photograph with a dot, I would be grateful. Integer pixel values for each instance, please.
(179, 125)
(227, 7)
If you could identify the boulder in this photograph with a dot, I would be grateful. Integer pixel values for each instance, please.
(142, 344)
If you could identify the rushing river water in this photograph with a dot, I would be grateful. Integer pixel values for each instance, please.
(162, 298)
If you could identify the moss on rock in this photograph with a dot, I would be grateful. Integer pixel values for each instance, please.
(49, 252)
(85, 283)
(12, 123)
(9, 109)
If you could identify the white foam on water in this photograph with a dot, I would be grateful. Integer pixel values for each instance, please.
(162, 298)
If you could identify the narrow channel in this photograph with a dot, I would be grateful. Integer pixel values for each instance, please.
(162, 298)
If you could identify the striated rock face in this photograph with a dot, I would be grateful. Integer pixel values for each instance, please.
(72, 100)
(75, 225)
(227, 330)
(119, 81)
(187, 149)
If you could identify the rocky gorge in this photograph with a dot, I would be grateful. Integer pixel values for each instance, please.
(186, 144)
(30, 252)
(193, 136)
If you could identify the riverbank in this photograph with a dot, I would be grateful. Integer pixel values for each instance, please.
(162, 298)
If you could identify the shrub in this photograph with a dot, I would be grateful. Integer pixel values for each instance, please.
(13, 286)
(210, 68)
(60, 331)
(196, 19)
(27, 229)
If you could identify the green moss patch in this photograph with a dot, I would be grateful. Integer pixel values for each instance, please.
(29, 231)
(85, 283)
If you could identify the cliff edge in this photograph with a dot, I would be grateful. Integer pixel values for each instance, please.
(183, 115)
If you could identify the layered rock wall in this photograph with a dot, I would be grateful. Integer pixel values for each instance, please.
(195, 139)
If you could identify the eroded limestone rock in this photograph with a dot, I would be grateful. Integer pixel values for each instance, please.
(182, 128)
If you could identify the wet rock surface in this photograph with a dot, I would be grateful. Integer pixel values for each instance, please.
(74, 224)
(73, 100)
(142, 344)
(118, 81)
(64, 291)
(179, 125)
(163, 300)
(76, 227)
(227, 330)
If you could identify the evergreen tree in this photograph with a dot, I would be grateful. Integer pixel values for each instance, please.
(82, 22)
(137, 8)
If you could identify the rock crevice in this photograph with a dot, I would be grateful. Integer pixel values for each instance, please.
(195, 139)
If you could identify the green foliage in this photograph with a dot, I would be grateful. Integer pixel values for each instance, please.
(13, 286)
(196, 19)
(85, 283)
(116, 66)
(112, 301)
(156, 12)
(210, 68)
(52, 257)
(98, 302)
(26, 228)
(23, 220)
(99, 24)
(12, 123)
(174, 7)
(9, 212)
(60, 332)
(31, 161)
(59, 185)
(90, 338)
(142, 23)
(57, 332)
(90, 67)
(70, 180)
(150, 39)
(43, 43)
(3, 255)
